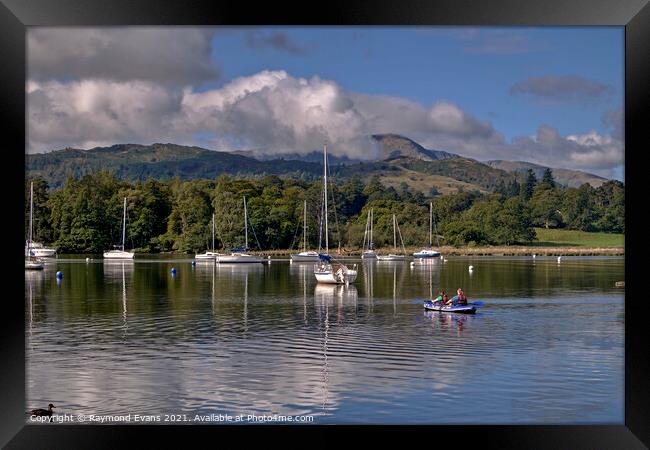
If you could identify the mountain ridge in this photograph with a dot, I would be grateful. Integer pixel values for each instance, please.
(404, 161)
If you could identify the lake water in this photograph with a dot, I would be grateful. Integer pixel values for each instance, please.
(113, 338)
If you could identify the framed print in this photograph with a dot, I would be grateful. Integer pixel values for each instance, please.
(375, 218)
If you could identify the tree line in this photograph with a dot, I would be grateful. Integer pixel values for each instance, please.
(85, 215)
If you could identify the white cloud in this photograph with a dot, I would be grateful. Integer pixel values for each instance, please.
(273, 112)
(178, 55)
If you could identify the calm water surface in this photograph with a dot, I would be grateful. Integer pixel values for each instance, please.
(128, 337)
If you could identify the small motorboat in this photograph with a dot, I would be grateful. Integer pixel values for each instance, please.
(461, 309)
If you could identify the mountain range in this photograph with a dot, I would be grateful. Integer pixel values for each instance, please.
(402, 160)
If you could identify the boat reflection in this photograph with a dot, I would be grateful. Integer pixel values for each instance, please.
(116, 270)
(448, 321)
(328, 293)
(240, 271)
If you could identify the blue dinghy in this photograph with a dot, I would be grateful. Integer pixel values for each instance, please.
(468, 309)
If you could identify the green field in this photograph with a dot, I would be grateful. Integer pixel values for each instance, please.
(572, 238)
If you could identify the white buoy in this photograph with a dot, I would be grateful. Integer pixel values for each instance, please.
(471, 268)
(534, 255)
(412, 263)
(87, 259)
(559, 259)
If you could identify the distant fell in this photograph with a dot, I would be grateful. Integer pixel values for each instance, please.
(135, 162)
(395, 146)
(565, 177)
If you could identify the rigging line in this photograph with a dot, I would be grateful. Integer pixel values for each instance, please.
(336, 219)
(400, 236)
(293, 241)
(320, 219)
(435, 229)
(255, 235)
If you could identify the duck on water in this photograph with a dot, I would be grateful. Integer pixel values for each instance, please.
(43, 412)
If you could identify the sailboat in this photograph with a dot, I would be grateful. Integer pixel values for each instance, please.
(238, 255)
(121, 254)
(394, 256)
(367, 237)
(428, 252)
(325, 271)
(209, 255)
(32, 262)
(305, 255)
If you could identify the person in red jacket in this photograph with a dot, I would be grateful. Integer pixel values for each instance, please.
(460, 298)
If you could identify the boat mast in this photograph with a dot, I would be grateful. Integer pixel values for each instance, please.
(304, 230)
(430, 222)
(124, 225)
(245, 225)
(31, 212)
(325, 190)
(212, 232)
(394, 235)
(370, 241)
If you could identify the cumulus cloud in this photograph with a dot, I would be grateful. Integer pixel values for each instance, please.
(592, 151)
(98, 112)
(614, 120)
(562, 89)
(179, 55)
(276, 113)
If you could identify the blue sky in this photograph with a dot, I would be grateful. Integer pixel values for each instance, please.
(426, 64)
(550, 95)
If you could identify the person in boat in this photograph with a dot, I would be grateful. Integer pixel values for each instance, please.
(459, 299)
(445, 299)
(439, 298)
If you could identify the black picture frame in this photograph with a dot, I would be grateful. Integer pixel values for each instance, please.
(16, 15)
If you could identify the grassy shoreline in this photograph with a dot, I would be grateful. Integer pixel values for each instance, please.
(513, 250)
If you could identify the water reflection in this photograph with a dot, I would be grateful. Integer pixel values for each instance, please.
(448, 321)
(116, 271)
(547, 346)
(328, 294)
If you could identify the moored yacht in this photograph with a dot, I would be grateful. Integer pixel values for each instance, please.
(37, 249)
(394, 256)
(239, 255)
(326, 271)
(209, 255)
(369, 252)
(32, 262)
(305, 255)
(429, 252)
(120, 254)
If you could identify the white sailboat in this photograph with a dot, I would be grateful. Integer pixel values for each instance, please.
(36, 248)
(394, 256)
(305, 255)
(369, 253)
(239, 255)
(326, 271)
(428, 252)
(121, 254)
(32, 262)
(209, 255)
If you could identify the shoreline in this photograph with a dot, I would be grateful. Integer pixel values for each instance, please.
(466, 251)
(519, 250)
(483, 251)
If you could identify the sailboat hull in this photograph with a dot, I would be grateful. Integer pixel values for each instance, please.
(369, 254)
(118, 254)
(305, 257)
(239, 258)
(40, 252)
(34, 265)
(427, 254)
(392, 257)
(326, 273)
